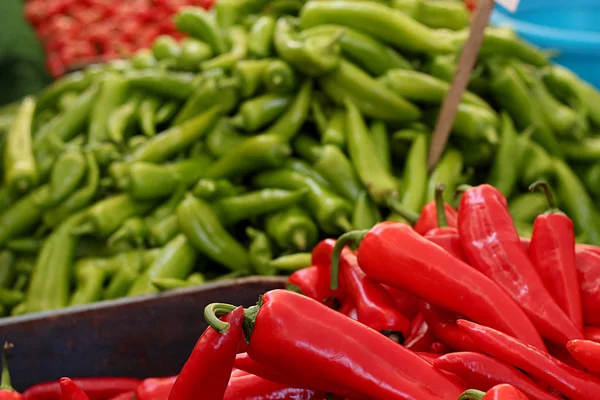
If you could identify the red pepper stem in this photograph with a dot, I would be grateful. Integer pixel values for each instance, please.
(461, 189)
(212, 312)
(439, 205)
(5, 382)
(346, 238)
(472, 394)
(398, 208)
(543, 186)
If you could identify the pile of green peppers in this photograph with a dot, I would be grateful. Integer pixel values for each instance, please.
(274, 124)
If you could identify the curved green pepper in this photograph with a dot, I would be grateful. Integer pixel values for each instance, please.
(292, 262)
(175, 85)
(292, 229)
(147, 115)
(90, 284)
(260, 37)
(201, 24)
(160, 232)
(214, 189)
(165, 47)
(290, 122)
(333, 164)
(381, 140)
(447, 171)
(239, 48)
(260, 111)
(113, 91)
(260, 252)
(68, 172)
(193, 52)
(122, 118)
(279, 77)
(365, 214)
(504, 172)
(133, 231)
(435, 14)
(23, 215)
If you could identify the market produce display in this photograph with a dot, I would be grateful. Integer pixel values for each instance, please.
(270, 126)
(464, 309)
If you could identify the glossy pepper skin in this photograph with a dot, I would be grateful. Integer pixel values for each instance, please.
(96, 388)
(428, 219)
(432, 274)
(442, 324)
(572, 383)
(70, 391)
(208, 367)
(588, 269)
(366, 367)
(492, 244)
(155, 388)
(482, 372)
(248, 365)
(552, 252)
(255, 387)
(314, 283)
(587, 353)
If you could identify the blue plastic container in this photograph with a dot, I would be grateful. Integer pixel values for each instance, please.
(571, 28)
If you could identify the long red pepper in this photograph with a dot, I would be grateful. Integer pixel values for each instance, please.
(587, 353)
(70, 391)
(482, 372)
(155, 388)
(420, 338)
(252, 387)
(439, 348)
(442, 324)
(327, 351)
(247, 364)
(208, 368)
(374, 305)
(7, 392)
(588, 271)
(321, 258)
(96, 388)
(574, 384)
(491, 243)
(429, 217)
(552, 252)
(499, 392)
(314, 283)
(592, 333)
(394, 254)
(406, 303)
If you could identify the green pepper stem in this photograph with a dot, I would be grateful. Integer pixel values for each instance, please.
(5, 382)
(211, 315)
(346, 238)
(472, 394)
(398, 208)
(543, 186)
(440, 206)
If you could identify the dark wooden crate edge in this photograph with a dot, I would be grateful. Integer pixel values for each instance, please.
(140, 337)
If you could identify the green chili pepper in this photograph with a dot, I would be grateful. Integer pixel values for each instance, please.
(133, 231)
(591, 178)
(365, 214)
(10, 297)
(223, 138)
(381, 140)
(193, 52)
(372, 55)
(105, 153)
(113, 91)
(206, 233)
(175, 260)
(67, 174)
(504, 170)
(66, 100)
(200, 100)
(567, 86)
(576, 202)
(313, 56)
(524, 229)
(164, 284)
(292, 262)
(472, 123)
(167, 208)
(6, 197)
(249, 75)
(372, 98)
(444, 68)
(307, 147)
(75, 81)
(49, 288)
(239, 48)
(22, 216)
(234, 209)
(147, 110)
(279, 77)
(415, 175)
(20, 171)
(331, 211)
(307, 170)
(260, 37)
(448, 171)
(292, 229)
(78, 200)
(90, 284)
(7, 268)
(379, 182)
(201, 24)
(167, 143)
(166, 112)
(21, 282)
(526, 207)
(335, 131)
(104, 217)
(160, 232)
(537, 164)
(381, 22)
(260, 111)
(333, 164)
(165, 47)
(121, 283)
(260, 252)
(290, 122)
(214, 189)
(29, 245)
(122, 118)
(253, 154)
(143, 59)
(318, 115)
(500, 41)
(175, 85)
(435, 14)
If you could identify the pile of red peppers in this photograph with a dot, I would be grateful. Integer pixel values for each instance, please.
(456, 307)
(77, 32)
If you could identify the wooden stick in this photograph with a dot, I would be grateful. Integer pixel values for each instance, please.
(466, 63)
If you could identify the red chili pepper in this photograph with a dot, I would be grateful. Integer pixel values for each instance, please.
(428, 219)
(245, 363)
(589, 247)
(574, 384)
(552, 252)
(427, 356)
(124, 396)
(374, 305)
(442, 324)
(293, 334)
(7, 392)
(96, 388)
(394, 254)
(208, 368)
(348, 308)
(314, 283)
(588, 271)
(482, 372)
(155, 388)
(592, 333)
(255, 387)
(439, 348)
(236, 373)
(499, 392)
(70, 391)
(420, 338)
(406, 303)
(587, 353)
(491, 243)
